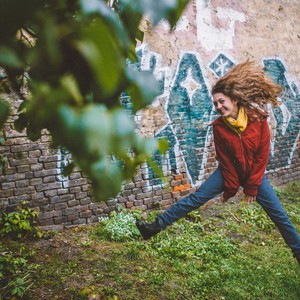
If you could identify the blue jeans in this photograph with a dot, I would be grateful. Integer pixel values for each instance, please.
(213, 186)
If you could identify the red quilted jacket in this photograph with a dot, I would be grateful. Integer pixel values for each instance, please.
(243, 158)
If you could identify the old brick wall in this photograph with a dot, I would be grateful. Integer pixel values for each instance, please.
(210, 38)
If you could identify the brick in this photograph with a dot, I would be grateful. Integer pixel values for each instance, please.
(3, 203)
(48, 179)
(14, 133)
(48, 158)
(93, 206)
(50, 165)
(129, 186)
(23, 169)
(185, 193)
(8, 185)
(25, 161)
(62, 191)
(48, 186)
(60, 199)
(72, 203)
(80, 195)
(47, 208)
(60, 206)
(70, 211)
(136, 191)
(6, 193)
(126, 193)
(28, 175)
(59, 220)
(157, 198)
(85, 188)
(73, 217)
(111, 202)
(18, 199)
(77, 182)
(138, 202)
(148, 200)
(79, 222)
(75, 176)
(45, 222)
(25, 190)
(85, 214)
(36, 181)
(122, 200)
(22, 183)
(50, 214)
(85, 201)
(46, 138)
(41, 202)
(129, 204)
(34, 154)
(50, 193)
(74, 190)
(15, 177)
(44, 173)
(36, 167)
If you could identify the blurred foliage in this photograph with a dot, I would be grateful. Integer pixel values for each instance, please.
(77, 58)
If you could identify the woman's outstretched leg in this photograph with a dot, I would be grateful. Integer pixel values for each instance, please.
(208, 190)
(269, 201)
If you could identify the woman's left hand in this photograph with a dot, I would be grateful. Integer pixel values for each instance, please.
(249, 199)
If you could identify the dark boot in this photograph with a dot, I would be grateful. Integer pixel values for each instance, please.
(148, 230)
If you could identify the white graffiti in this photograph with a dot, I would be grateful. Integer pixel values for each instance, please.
(286, 117)
(190, 85)
(215, 38)
(182, 24)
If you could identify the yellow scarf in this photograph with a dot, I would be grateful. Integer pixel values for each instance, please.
(239, 125)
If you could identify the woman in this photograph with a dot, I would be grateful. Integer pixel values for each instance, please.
(242, 144)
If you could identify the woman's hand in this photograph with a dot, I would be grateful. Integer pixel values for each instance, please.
(249, 199)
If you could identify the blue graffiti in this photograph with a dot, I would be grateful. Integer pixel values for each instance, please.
(286, 116)
(190, 111)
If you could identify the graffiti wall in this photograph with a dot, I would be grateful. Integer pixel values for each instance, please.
(210, 38)
(220, 35)
(189, 111)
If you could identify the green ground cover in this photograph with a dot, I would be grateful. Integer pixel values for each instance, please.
(230, 251)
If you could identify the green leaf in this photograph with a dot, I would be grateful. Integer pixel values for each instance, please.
(21, 123)
(33, 132)
(110, 17)
(163, 145)
(107, 178)
(144, 87)
(4, 112)
(102, 52)
(9, 58)
(68, 169)
(163, 9)
(70, 85)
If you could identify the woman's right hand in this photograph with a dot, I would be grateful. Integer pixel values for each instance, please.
(250, 199)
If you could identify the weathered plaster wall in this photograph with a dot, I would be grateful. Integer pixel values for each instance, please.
(210, 38)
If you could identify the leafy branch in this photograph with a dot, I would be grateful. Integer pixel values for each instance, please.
(80, 57)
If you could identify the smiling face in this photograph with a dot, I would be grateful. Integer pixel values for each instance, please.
(225, 106)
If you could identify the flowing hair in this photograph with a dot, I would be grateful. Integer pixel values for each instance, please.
(248, 84)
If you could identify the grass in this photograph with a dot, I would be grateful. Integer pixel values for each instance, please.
(229, 251)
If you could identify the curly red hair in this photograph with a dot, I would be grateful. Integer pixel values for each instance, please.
(248, 84)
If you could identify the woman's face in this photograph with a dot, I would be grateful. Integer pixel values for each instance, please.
(225, 106)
